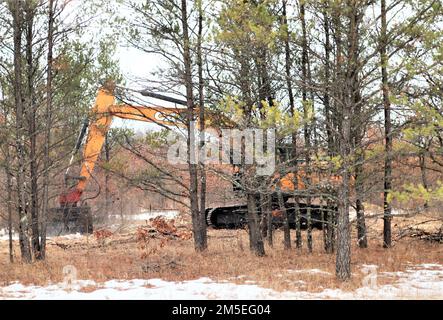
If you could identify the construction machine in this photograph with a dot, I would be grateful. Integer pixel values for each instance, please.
(75, 216)
(294, 192)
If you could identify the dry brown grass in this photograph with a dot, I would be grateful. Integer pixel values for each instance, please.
(89, 288)
(228, 258)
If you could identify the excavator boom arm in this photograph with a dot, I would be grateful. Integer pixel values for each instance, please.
(101, 118)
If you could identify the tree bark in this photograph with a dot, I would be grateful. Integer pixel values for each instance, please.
(107, 158)
(424, 179)
(358, 131)
(264, 216)
(387, 214)
(32, 112)
(48, 125)
(17, 9)
(255, 239)
(307, 126)
(202, 194)
(326, 96)
(9, 205)
(269, 220)
(343, 257)
(330, 225)
(362, 239)
(288, 67)
(286, 230)
(199, 231)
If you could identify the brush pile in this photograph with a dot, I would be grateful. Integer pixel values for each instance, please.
(414, 232)
(162, 228)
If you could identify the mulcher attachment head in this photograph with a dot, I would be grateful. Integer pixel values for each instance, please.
(69, 219)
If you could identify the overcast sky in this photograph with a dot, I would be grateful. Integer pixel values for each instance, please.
(134, 64)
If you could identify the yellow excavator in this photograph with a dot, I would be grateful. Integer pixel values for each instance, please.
(75, 217)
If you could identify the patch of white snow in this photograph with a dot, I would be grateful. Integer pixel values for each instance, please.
(417, 282)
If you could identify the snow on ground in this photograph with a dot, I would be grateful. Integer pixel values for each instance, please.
(146, 215)
(417, 282)
(69, 236)
(4, 235)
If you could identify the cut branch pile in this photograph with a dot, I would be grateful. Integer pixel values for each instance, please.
(415, 232)
(154, 237)
(159, 227)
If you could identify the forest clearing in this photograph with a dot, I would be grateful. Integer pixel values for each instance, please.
(121, 266)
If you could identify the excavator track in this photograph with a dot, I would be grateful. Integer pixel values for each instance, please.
(234, 217)
(208, 216)
(230, 217)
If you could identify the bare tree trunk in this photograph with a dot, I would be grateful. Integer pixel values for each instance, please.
(298, 238)
(338, 66)
(288, 63)
(326, 97)
(48, 124)
(330, 228)
(269, 220)
(32, 113)
(9, 200)
(264, 216)
(288, 66)
(286, 230)
(324, 224)
(107, 158)
(307, 131)
(336, 117)
(202, 217)
(17, 10)
(7, 165)
(362, 239)
(387, 216)
(343, 257)
(424, 179)
(327, 218)
(199, 230)
(255, 239)
(357, 132)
